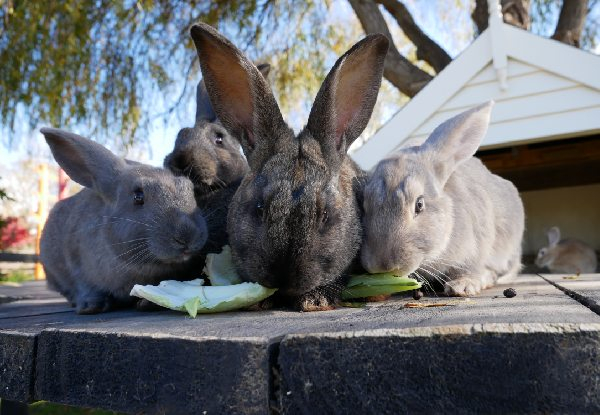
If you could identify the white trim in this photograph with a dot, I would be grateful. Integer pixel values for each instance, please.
(433, 96)
(498, 45)
(546, 54)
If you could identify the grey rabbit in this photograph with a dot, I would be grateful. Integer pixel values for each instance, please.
(294, 222)
(210, 156)
(207, 153)
(570, 256)
(131, 224)
(436, 212)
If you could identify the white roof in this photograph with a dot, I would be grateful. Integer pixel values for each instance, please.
(543, 90)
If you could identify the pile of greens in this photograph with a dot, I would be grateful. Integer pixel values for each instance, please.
(227, 291)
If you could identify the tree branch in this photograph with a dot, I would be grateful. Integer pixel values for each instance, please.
(398, 70)
(514, 12)
(427, 49)
(570, 22)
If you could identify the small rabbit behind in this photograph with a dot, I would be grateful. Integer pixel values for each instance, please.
(437, 212)
(211, 157)
(207, 153)
(569, 256)
(131, 224)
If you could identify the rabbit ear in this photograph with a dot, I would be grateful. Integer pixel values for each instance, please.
(553, 236)
(264, 69)
(344, 103)
(456, 140)
(85, 161)
(204, 109)
(240, 95)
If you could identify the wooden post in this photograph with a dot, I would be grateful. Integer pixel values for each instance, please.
(42, 214)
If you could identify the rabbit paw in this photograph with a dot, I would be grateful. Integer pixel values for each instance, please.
(463, 287)
(315, 301)
(144, 305)
(93, 304)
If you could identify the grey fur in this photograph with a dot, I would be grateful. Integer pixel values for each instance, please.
(294, 222)
(97, 244)
(210, 156)
(470, 229)
(570, 256)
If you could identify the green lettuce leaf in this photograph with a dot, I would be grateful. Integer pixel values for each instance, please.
(368, 285)
(194, 298)
(219, 268)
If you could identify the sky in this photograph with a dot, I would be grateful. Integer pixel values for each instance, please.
(162, 135)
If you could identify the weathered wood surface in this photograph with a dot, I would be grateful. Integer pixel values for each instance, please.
(462, 357)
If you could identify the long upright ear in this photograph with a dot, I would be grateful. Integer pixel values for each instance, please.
(553, 236)
(456, 140)
(240, 95)
(344, 103)
(204, 109)
(85, 161)
(264, 69)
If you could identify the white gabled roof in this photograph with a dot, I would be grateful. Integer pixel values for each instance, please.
(543, 89)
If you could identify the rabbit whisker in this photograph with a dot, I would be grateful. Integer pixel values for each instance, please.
(131, 240)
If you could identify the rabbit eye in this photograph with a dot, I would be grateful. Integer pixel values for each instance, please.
(138, 197)
(260, 208)
(324, 217)
(219, 139)
(419, 205)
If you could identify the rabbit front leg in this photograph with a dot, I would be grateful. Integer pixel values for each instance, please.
(466, 285)
(320, 299)
(90, 300)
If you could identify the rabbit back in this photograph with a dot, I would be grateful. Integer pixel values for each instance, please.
(570, 256)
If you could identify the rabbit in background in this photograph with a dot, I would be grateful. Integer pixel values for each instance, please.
(294, 223)
(131, 224)
(569, 256)
(207, 153)
(436, 212)
(211, 157)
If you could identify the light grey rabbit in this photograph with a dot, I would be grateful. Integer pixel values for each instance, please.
(570, 256)
(294, 222)
(437, 212)
(131, 224)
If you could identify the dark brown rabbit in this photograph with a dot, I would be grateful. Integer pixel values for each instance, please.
(294, 222)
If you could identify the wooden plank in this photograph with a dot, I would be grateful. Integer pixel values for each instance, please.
(14, 257)
(488, 74)
(554, 56)
(523, 107)
(527, 84)
(585, 121)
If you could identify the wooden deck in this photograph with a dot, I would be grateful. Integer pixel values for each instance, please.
(536, 352)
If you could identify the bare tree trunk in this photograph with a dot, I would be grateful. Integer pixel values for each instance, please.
(427, 49)
(398, 70)
(514, 12)
(570, 22)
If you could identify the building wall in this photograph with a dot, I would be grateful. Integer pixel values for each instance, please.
(575, 210)
(536, 104)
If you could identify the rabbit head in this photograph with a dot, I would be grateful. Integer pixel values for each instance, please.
(547, 254)
(133, 201)
(207, 153)
(294, 223)
(408, 215)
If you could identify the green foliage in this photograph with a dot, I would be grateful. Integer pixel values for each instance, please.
(16, 276)
(108, 66)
